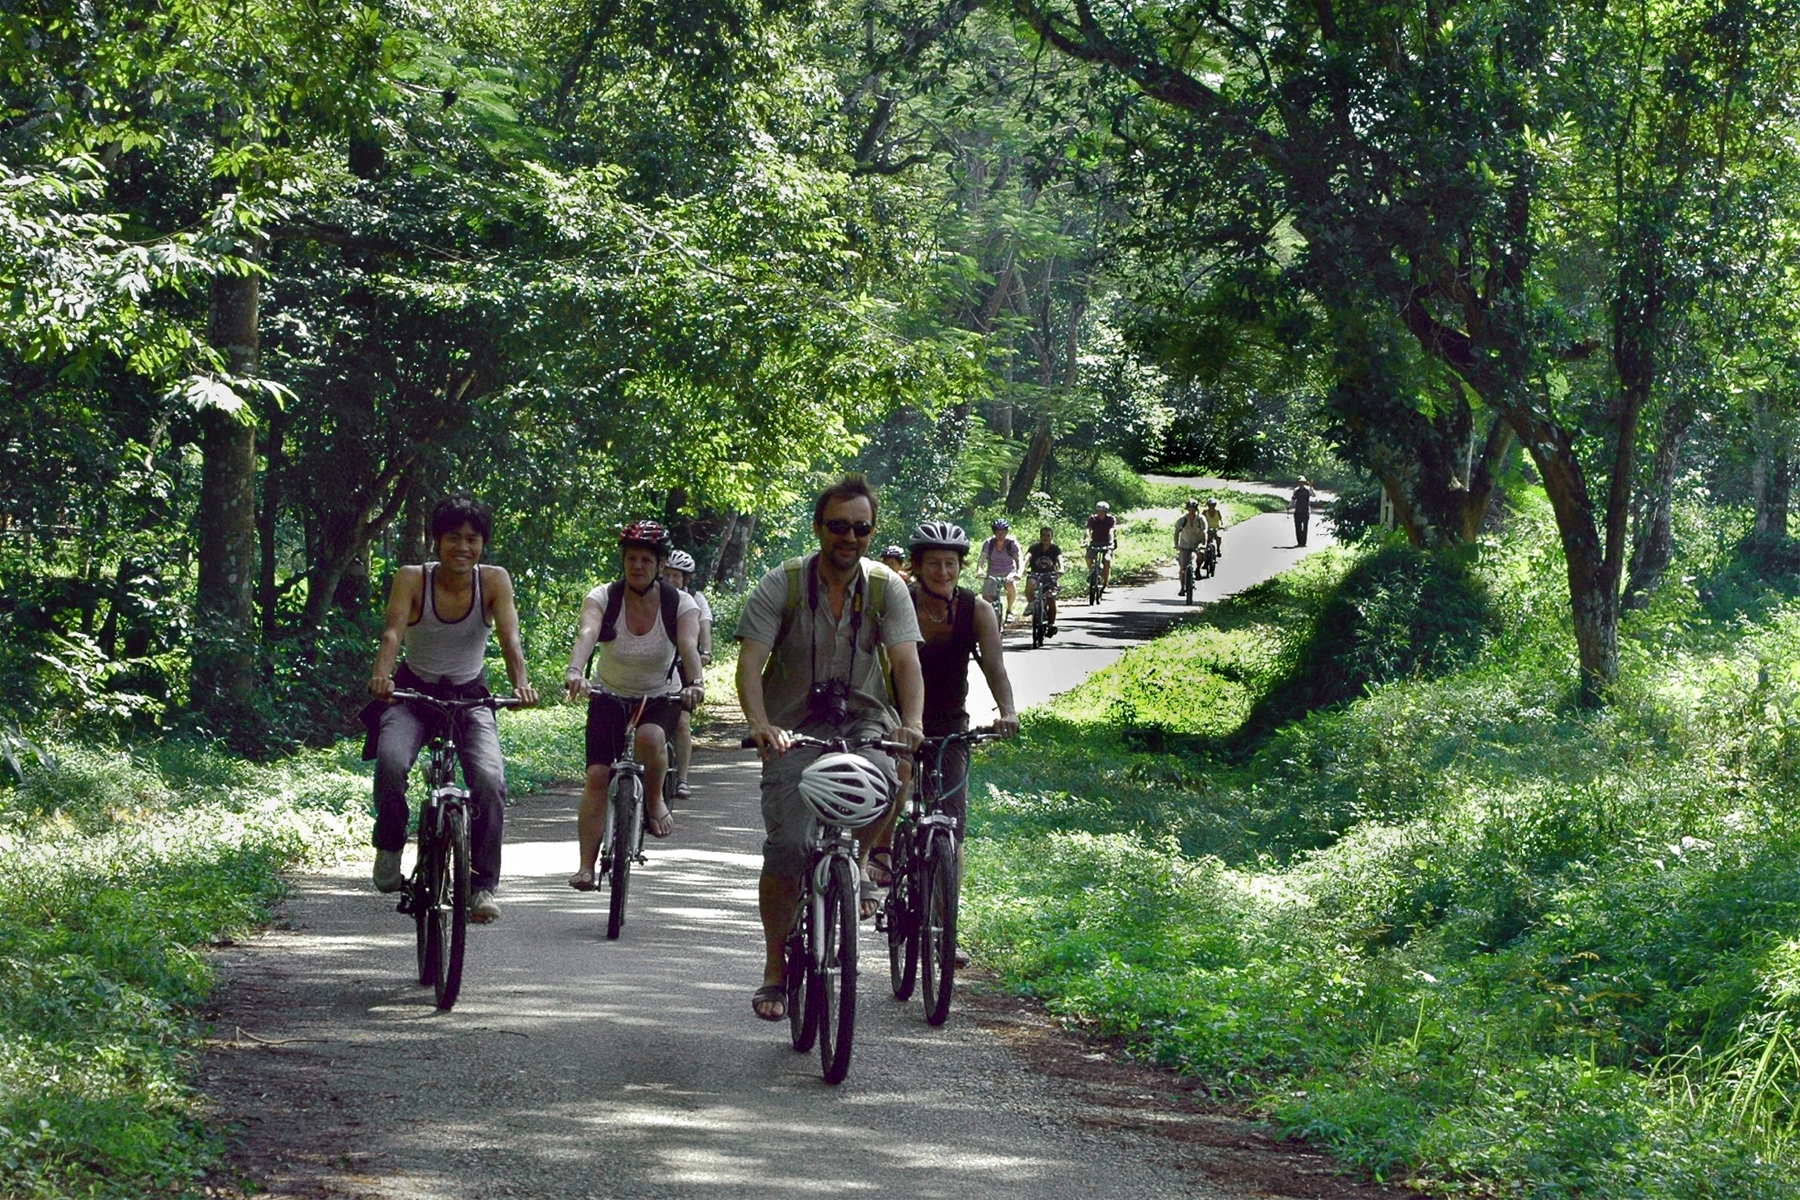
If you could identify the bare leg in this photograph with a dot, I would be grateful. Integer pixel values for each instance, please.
(777, 899)
(684, 746)
(590, 818)
(653, 752)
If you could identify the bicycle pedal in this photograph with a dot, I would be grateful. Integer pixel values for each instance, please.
(406, 901)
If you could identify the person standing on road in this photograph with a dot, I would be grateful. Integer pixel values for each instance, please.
(1043, 564)
(1191, 531)
(679, 570)
(828, 647)
(639, 632)
(1101, 529)
(442, 613)
(998, 565)
(1302, 505)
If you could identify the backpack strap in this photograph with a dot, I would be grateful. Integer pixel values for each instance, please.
(609, 620)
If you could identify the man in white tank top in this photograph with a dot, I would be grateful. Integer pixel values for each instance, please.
(442, 613)
(637, 661)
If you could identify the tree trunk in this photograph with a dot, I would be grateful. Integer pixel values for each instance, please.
(734, 555)
(1654, 547)
(1773, 489)
(224, 674)
(710, 567)
(269, 516)
(1036, 454)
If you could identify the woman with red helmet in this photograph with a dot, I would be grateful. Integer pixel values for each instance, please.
(640, 632)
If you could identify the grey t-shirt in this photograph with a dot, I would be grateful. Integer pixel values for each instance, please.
(817, 643)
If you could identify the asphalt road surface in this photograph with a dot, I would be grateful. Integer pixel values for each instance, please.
(576, 1067)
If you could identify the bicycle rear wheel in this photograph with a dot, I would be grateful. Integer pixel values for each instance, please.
(803, 1015)
(902, 920)
(627, 818)
(1037, 620)
(450, 915)
(835, 981)
(1094, 584)
(937, 929)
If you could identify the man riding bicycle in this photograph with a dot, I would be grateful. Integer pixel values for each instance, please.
(1102, 529)
(1191, 531)
(634, 631)
(1043, 566)
(829, 647)
(998, 564)
(443, 612)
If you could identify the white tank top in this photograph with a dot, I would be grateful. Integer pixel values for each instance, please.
(447, 651)
(637, 664)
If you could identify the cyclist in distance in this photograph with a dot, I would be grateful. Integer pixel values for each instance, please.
(998, 565)
(1043, 557)
(829, 647)
(442, 613)
(639, 631)
(1215, 524)
(1191, 532)
(679, 570)
(955, 625)
(1101, 528)
(894, 559)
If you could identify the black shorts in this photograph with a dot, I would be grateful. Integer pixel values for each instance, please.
(608, 715)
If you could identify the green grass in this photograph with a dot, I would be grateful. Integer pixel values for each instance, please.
(1434, 916)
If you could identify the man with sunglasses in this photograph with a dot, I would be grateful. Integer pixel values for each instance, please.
(829, 647)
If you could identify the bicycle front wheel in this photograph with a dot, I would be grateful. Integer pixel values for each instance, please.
(836, 978)
(902, 921)
(937, 929)
(450, 915)
(627, 819)
(1037, 620)
(421, 899)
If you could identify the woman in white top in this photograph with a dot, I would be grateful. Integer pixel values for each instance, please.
(634, 657)
(679, 570)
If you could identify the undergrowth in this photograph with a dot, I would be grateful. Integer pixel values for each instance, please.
(1433, 915)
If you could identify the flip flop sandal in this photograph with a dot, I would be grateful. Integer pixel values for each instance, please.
(583, 881)
(871, 902)
(769, 994)
(881, 866)
(660, 827)
(683, 791)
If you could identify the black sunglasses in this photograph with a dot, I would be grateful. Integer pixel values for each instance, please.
(840, 527)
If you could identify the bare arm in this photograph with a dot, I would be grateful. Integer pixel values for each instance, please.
(752, 656)
(909, 692)
(506, 624)
(403, 601)
(704, 642)
(687, 644)
(987, 636)
(587, 636)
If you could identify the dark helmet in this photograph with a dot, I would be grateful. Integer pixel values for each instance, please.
(939, 535)
(648, 534)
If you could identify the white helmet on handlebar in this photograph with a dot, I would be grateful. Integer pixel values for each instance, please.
(845, 789)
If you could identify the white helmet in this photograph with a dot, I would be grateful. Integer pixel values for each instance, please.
(845, 789)
(682, 561)
(1102, 506)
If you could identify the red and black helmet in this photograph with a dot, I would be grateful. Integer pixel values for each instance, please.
(648, 534)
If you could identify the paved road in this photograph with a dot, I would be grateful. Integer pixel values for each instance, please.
(574, 1067)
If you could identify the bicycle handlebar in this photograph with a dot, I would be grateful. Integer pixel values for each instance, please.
(801, 739)
(460, 704)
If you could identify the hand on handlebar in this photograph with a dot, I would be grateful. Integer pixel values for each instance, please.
(575, 687)
(1007, 726)
(527, 695)
(771, 741)
(382, 687)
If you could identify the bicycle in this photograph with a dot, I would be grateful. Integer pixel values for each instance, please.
(1097, 572)
(1187, 574)
(820, 954)
(919, 915)
(437, 893)
(1043, 591)
(622, 843)
(1210, 555)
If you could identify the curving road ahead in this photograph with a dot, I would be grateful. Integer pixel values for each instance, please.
(575, 1067)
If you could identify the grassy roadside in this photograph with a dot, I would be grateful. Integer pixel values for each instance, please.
(118, 867)
(1346, 850)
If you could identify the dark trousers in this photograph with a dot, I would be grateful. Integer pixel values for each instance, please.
(403, 732)
(1300, 518)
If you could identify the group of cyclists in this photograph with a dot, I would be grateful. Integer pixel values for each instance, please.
(832, 645)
